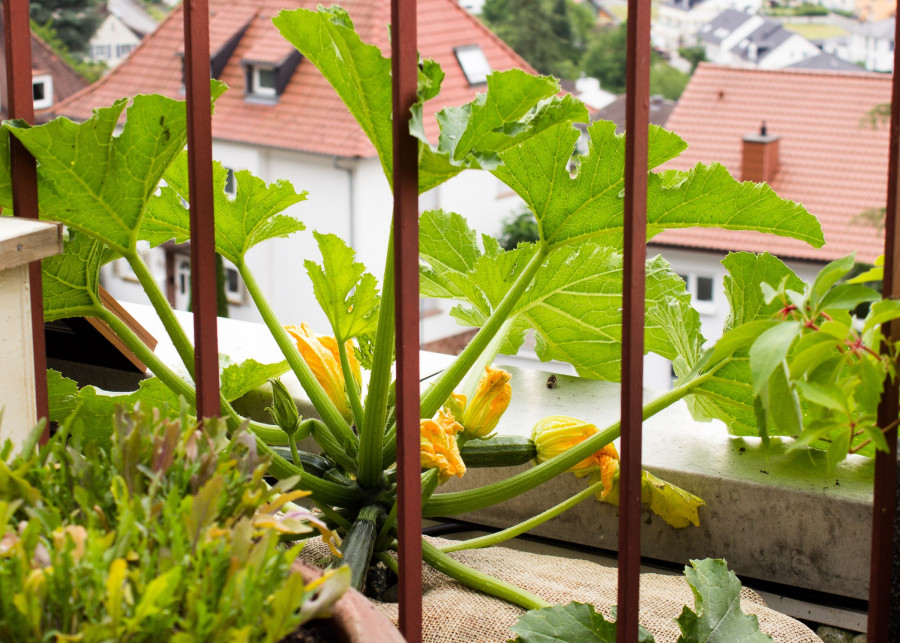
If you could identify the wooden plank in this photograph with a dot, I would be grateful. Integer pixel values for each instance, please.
(25, 240)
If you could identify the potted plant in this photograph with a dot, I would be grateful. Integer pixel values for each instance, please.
(795, 345)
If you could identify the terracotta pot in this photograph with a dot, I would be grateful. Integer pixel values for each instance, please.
(354, 617)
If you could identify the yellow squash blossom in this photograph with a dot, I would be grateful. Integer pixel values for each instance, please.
(479, 417)
(556, 434)
(320, 352)
(439, 448)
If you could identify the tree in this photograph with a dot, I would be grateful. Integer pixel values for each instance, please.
(73, 21)
(605, 60)
(549, 34)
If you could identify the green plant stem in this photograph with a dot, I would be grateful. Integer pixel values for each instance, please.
(371, 436)
(429, 485)
(322, 490)
(330, 445)
(351, 385)
(438, 393)
(526, 525)
(292, 442)
(449, 504)
(334, 516)
(163, 310)
(479, 580)
(330, 415)
(389, 561)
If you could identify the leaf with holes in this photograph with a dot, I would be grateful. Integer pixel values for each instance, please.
(255, 214)
(589, 206)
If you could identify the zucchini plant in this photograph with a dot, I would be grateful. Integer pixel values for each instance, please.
(566, 288)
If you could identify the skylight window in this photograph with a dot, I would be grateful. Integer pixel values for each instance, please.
(474, 64)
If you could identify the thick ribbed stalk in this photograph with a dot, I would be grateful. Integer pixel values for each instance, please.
(331, 446)
(478, 580)
(163, 310)
(429, 485)
(350, 383)
(449, 504)
(326, 408)
(371, 435)
(526, 525)
(438, 393)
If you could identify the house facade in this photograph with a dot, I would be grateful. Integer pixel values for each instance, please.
(281, 120)
(126, 23)
(741, 39)
(869, 44)
(678, 22)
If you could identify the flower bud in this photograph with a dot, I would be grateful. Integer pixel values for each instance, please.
(283, 408)
(556, 434)
(483, 411)
(439, 448)
(321, 355)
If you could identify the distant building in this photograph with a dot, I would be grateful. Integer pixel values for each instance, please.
(868, 43)
(125, 25)
(52, 78)
(740, 39)
(678, 22)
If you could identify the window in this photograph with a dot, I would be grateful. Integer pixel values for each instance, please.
(42, 91)
(474, 64)
(123, 50)
(702, 290)
(234, 287)
(230, 184)
(101, 52)
(262, 81)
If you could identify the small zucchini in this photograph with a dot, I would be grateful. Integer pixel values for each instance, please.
(360, 542)
(312, 463)
(499, 451)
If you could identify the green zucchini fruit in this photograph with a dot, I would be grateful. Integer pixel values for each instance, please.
(499, 451)
(360, 542)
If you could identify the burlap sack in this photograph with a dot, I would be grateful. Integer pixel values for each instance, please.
(453, 613)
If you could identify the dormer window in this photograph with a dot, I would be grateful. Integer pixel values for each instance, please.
(42, 91)
(268, 65)
(474, 63)
(263, 81)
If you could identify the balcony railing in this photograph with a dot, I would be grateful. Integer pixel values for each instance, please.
(884, 596)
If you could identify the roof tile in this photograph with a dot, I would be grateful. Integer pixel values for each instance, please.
(309, 116)
(831, 159)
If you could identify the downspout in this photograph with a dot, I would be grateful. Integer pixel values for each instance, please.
(351, 237)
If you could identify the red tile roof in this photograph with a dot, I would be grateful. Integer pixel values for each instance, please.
(308, 116)
(831, 161)
(66, 81)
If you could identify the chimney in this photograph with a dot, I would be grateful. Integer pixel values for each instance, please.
(759, 156)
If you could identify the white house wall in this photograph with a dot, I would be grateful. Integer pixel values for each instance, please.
(109, 42)
(792, 50)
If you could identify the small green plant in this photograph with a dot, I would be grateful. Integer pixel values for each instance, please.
(168, 533)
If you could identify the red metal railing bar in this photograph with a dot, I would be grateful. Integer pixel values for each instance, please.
(637, 101)
(203, 262)
(884, 625)
(404, 70)
(20, 104)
